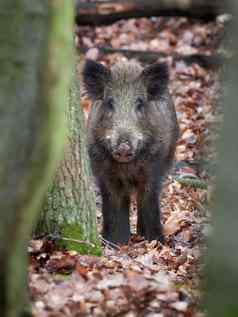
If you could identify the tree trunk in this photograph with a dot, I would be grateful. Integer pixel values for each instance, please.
(33, 82)
(70, 208)
(222, 267)
(107, 12)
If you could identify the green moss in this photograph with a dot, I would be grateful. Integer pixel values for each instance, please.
(73, 239)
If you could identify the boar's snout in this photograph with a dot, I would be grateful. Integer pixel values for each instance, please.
(125, 144)
(123, 152)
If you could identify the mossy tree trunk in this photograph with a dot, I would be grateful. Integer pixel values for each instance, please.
(69, 212)
(222, 269)
(34, 60)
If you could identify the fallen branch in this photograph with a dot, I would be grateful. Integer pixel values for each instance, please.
(108, 12)
(207, 61)
(191, 180)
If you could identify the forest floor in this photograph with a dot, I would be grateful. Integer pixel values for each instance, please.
(147, 278)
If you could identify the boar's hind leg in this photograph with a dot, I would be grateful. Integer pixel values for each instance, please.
(148, 224)
(115, 209)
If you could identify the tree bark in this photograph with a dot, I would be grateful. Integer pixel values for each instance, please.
(33, 82)
(69, 212)
(222, 269)
(108, 12)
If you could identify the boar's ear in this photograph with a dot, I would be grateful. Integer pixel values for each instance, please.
(156, 77)
(95, 76)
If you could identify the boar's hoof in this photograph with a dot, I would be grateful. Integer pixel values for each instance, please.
(155, 236)
(116, 239)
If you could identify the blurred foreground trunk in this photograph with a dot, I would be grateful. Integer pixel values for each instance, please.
(107, 12)
(69, 212)
(222, 267)
(34, 79)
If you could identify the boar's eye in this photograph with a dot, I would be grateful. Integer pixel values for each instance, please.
(140, 105)
(109, 103)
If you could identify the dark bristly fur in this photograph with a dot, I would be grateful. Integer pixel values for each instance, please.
(95, 77)
(132, 132)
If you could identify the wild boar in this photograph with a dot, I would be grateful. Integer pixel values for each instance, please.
(132, 133)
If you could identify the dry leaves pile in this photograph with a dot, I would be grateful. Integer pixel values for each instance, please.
(145, 279)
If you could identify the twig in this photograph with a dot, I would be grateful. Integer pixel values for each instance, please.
(109, 243)
(78, 241)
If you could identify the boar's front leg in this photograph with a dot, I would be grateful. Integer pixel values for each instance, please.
(115, 210)
(148, 224)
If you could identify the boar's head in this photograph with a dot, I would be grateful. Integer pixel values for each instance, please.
(124, 118)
